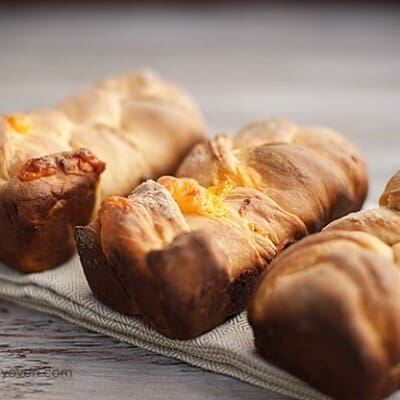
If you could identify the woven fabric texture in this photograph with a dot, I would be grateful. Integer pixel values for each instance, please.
(227, 349)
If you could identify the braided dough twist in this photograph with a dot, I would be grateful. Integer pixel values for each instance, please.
(185, 252)
(329, 309)
(139, 125)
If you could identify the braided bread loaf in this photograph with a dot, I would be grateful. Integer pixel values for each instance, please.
(329, 309)
(185, 252)
(139, 125)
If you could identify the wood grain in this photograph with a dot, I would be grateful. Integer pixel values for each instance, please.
(323, 65)
(101, 367)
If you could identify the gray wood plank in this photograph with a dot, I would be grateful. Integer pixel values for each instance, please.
(101, 367)
(332, 66)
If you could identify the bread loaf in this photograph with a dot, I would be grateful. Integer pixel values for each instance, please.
(328, 310)
(185, 252)
(139, 125)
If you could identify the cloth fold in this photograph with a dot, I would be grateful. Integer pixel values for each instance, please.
(227, 349)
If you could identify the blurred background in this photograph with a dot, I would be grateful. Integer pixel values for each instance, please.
(333, 63)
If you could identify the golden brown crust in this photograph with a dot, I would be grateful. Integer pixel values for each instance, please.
(328, 310)
(100, 272)
(391, 195)
(301, 159)
(194, 300)
(189, 251)
(40, 207)
(139, 124)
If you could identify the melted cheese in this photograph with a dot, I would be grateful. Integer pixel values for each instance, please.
(192, 198)
(20, 123)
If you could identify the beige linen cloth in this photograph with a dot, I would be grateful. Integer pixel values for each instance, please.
(228, 349)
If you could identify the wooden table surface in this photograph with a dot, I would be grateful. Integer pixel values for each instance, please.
(334, 66)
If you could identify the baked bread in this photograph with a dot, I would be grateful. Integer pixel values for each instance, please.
(328, 310)
(184, 252)
(139, 125)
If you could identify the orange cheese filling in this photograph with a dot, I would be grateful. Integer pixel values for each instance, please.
(20, 123)
(192, 198)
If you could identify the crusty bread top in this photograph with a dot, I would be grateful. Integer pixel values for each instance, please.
(139, 124)
(333, 299)
(254, 193)
(186, 251)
